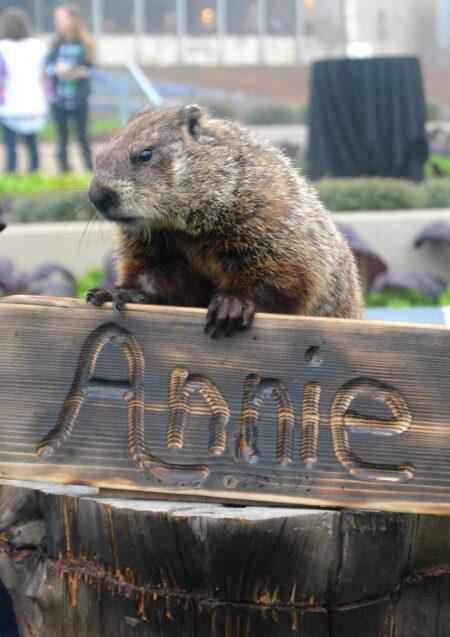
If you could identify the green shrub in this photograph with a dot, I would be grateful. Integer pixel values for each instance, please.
(275, 114)
(437, 193)
(90, 280)
(405, 298)
(37, 198)
(444, 299)
(434, 111)
(50, 206)
(302, 114)
(369, 194)
(104, 127)
(441, 163)
(221, 109)
(399, 298)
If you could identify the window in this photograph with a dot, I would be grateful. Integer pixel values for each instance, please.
(242, 16)
(85, 9)
(160, 16)
(281, 17)
(118, 16)
(201, 16)
(45, 9)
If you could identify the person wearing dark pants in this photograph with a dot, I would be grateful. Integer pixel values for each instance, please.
(9, 137)
(2, 227)
(78, 116)
(69, 67)
(23, 99)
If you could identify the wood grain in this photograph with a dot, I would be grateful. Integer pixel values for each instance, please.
(294, 410)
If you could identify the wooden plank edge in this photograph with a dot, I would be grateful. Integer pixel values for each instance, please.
(219, 496)
(79, 304)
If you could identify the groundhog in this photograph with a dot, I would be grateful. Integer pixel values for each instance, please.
(211, 215)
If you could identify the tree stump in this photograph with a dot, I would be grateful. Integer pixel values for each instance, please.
(79, 563)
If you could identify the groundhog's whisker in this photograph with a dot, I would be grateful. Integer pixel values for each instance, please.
(83, 206)
(94, 214)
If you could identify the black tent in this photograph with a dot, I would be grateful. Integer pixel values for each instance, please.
(367, 117)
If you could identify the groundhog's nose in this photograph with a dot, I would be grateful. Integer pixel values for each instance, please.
(101, 196)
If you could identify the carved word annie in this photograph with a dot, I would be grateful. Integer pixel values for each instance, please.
(256, 390)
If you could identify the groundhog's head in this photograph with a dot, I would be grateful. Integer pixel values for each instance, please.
(162, 166)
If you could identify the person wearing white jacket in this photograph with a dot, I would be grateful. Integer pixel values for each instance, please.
(23, 99)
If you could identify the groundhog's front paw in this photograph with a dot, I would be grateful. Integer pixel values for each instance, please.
(118, 296)
(228, 313)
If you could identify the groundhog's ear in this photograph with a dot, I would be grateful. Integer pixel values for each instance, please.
(192, 117)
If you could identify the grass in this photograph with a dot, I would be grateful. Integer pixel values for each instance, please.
(36, 183)
(96, 128)
(90, 280)
(440, 162)
(405, 298)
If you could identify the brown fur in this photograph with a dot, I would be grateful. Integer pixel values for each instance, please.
(218, 218)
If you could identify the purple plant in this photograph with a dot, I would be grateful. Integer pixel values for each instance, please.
(49, 279)
(437, 233)
(425, 284)
(370, 264)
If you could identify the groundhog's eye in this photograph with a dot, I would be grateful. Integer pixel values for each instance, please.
(144, 156)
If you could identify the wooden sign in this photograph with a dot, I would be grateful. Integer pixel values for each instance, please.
(295, 410)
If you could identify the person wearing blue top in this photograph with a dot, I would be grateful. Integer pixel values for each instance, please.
(69, 67)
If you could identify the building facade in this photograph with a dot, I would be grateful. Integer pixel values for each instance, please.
(253, 32)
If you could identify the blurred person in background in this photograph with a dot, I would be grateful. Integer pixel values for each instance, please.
(69, 67)
(23, 101)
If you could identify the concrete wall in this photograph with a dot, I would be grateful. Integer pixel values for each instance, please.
(388, 27)
(408, 27)
(390, 234)
(72, 244)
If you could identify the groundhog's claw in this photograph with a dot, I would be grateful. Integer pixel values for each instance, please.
(97, 297)
(118, 296)
(227, 314)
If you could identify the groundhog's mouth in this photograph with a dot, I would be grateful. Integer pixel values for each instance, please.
(126, 220)
(123, 221)
(111, 214)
